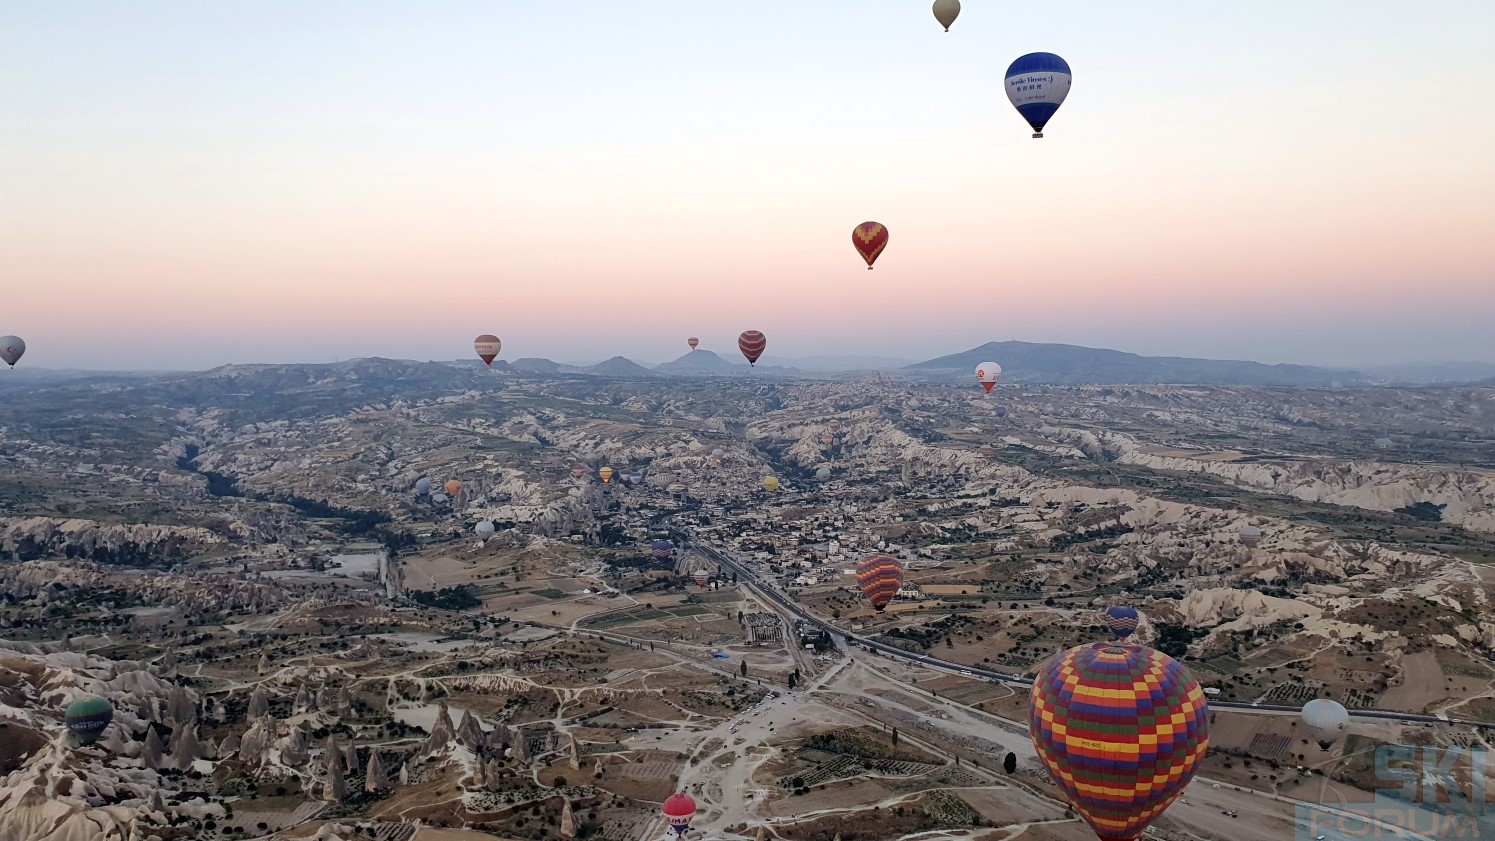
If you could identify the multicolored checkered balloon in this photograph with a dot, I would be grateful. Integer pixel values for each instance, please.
(1122, 729)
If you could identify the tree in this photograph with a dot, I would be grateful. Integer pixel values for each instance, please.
(743, 668)
(1009, 764)
(895, 737)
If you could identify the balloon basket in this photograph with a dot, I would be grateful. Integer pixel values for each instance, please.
(1037, 134)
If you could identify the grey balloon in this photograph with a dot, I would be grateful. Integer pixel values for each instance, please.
(483, 529)
(423, 485)
(12, 348)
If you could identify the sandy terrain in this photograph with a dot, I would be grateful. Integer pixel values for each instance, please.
(1422, 684)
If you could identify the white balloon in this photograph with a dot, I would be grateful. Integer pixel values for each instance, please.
(483, 529)
(1326, 720)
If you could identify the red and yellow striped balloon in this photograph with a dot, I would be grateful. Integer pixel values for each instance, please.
(752, 343)
(1122, 729)
(869, 238)
(879, 577)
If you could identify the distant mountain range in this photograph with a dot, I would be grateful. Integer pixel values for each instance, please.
(1022, 362)
(1026, 362)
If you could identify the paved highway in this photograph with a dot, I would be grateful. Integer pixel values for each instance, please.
(746, 576)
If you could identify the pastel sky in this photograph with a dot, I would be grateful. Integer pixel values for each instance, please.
(187, 184)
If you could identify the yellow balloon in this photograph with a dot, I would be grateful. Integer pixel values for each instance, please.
(771, 484)
(607, 474)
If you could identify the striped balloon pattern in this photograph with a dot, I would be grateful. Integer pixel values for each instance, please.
(662, 549)
(752, 343)
(1122, 729)
(869, 239)
(1122, 620)
(879, 577)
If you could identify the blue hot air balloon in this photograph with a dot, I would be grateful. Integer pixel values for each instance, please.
(1001, 411)
(1122, 620)
(661, 549)
(635, 477)
(1037, 84)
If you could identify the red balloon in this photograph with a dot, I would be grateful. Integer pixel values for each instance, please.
(752, 343)
(869, 238)
(678, 810)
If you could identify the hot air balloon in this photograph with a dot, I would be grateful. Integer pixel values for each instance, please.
(718, 454)
(487, 346)
(752, 343)
(879, 577)
(987, 373)
(835, 426)
(635, 477)
(1001, 411)
(483, 529)
(693, 342)
(607, 475)
(1122, 620)
(87, 717)
(661, 549)
(678, 809)
(1036, 85)
(1250, 535)
(1326, 720)
(770, 484)
(1122, 729)
(438, 497)
(12, 348)
(946, 11)
(823, 474)
(827, 439)
(423, 485)
(453, 487)
(577, 471)
(752, 434)
(702, 576)
(986, 450)
(870, 238)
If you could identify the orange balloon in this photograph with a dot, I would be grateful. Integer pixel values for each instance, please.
(453, 487)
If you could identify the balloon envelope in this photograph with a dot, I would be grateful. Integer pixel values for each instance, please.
(823, 473)
(702, 576)
(678, 809)
(635, 477)
(1250, 535)
(1037, 84)
(86, 718)
(423, 485)
(607, 474)
(1122, 729)
(577, 471)
(987, 373)
(661, 549)
(1326, 720)
(483, 529)
(693, 342)
(870, 238)
(438, 497)
(835, 426)
(487, 347)
(453, 487)
(770, 483)
(946, 11)
(11, 350)
(879, 577)
(1001, 411)
(752, 343)
(1122, 620)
